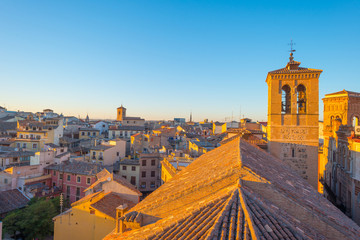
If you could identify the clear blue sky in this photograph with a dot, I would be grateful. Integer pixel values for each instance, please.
(163, 59)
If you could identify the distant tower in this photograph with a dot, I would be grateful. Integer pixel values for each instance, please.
(293, 117)
(87, 119)
(190, 116)
(121, 113)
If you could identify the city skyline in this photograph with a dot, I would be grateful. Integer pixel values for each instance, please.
(177, 58)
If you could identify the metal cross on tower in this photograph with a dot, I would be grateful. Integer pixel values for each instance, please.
(291, 50)
(291, 46)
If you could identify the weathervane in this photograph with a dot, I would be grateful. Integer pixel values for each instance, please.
(291, 50)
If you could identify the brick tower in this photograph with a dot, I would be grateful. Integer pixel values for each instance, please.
(121, 113)
(293, 117)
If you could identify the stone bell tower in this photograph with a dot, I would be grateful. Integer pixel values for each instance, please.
(293, 117)
(121, 113)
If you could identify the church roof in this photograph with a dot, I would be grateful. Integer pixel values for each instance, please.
(293, 67)
(299, 70)
(343, 93)
(245, 194)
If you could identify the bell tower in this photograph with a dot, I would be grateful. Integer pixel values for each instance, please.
(293, 117)
(121, 113)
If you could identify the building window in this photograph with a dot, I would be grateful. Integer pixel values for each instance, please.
(82, 133)
(152, 173)
(88, 180)
(152, 184)
(143, 185)
(143, 163)
(143, 174)
(124, 176)
(69, 177)
(60, 176)
(88, 133)
(133, 180)
(117, 154)
(355, 121)
(77, 191)
(153, 162)
(286, 100)
(124, 168)
(94, 133)
(301, 99)
(78, 179)
(54, 173)
(67, 191)
(24, 145)
(133, 168)
(54, 184)
(5, 181)
(34, 146)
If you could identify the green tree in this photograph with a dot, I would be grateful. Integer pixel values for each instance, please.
(35, 220)
(11, 221)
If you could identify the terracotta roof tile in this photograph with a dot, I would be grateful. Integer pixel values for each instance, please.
(238, 191)
(11, 200)
(109, 203)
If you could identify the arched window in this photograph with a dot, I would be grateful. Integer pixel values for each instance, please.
(331, 122)
(301, 99)
(286, 100)
(355, 121)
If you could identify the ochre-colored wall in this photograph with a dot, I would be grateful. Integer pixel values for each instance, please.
(294, 137)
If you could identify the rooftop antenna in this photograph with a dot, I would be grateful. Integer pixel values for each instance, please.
(292, 50)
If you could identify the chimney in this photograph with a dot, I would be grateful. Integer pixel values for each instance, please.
(120, 212)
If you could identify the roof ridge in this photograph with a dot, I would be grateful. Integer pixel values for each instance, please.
(254, 233)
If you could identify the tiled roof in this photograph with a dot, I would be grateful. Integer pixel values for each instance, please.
(345, 92)
(109, 203)
(127, 128)
(62, 154)
(5, 126)
(77, 167)
(106, 176)
(16, 154)
(101, 147)
(231, 217)
(69, 140)
(89, 129)
(203, 144)
(133, 118)
(52, 145)
(299, 70)
(127, 161)
(237, 191)
(219, 124)
(11, 200)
